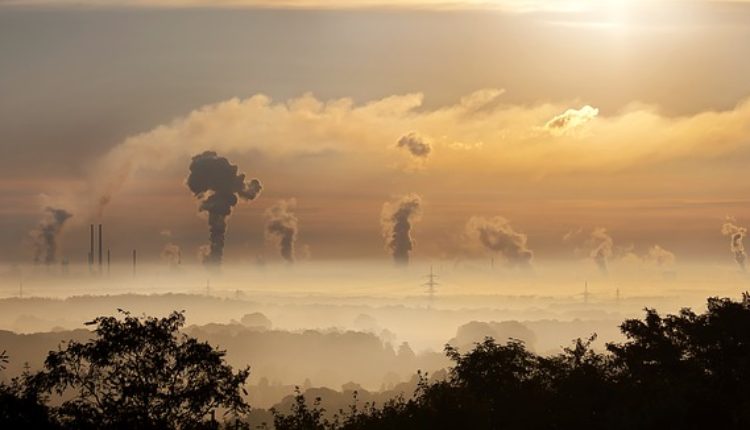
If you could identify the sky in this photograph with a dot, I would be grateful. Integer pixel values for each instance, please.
(531, 131)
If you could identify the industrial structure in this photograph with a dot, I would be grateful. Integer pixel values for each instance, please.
(431, 284)
(96, 256)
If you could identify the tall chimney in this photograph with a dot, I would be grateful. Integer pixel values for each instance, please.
(134, 262)
(91, 251)
(100, 248)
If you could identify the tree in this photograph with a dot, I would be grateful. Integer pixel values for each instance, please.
(20, 405)
(688, 370)
(302, 417)
(141, 373)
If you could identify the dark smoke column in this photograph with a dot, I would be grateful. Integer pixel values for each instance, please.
(397, 219)
(215, 181)
(283, 225)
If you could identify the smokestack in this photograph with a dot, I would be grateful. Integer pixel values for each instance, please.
(91, 250)
(100, 248)
(134, 262)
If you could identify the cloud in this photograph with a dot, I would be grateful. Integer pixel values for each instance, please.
(497, 235)
(417, 145)
(511, 6)
(505, 5)
(480, 139)
(283, 225)
(397, 219)
(571, 119)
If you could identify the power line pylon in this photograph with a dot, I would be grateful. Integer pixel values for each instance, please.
(431, 284)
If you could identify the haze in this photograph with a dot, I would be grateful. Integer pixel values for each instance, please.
(554, 166)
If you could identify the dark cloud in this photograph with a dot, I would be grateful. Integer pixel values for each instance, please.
(737, 235)
(46, 233)
(283, 225)
(497, 235)
(397, 219)
(215, 181)
(415, 144)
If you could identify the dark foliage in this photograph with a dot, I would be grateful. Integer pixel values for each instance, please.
(688, 371)
(137, 373)
(21, 407)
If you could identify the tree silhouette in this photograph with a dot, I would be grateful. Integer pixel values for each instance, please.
(20, 405)
(141, 373)
(688, 371)
(302, 416)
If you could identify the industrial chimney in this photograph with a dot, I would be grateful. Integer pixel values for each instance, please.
(100, 249)
(134, 262)
(91, 250)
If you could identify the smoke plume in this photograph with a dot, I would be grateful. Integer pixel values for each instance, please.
(283, 225)
(602, 247)
(737, 236)
(172, 254)
(497, 235)
(215, 181)
(45, 234)
(397, 219)
(660, 256)
(415, 144)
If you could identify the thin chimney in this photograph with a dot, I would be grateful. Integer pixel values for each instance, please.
(134, 262)
(100, 248)
(91, 250)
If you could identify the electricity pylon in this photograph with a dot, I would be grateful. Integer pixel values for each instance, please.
(431, 284)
